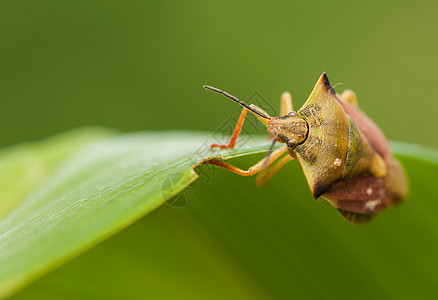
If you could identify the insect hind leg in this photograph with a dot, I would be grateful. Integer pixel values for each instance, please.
(286, 105)
(350, 97)
(266, 175)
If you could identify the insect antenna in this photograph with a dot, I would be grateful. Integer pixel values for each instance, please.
(229, 96)
(265, 165)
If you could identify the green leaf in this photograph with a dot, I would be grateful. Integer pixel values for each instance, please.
(24, 167)
(96, 189)
(231, 239)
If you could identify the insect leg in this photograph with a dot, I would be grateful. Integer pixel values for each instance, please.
(238, 128)
(258, 167)
(236, 132)
(266, 175)
(350, 97)
(286, 104)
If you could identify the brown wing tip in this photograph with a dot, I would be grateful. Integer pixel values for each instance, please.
(327, 84)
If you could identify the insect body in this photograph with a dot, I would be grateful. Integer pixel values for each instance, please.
(344, 156)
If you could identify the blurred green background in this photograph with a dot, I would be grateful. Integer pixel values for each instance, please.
(137, 65)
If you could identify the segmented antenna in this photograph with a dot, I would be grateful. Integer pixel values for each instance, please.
(229, 96)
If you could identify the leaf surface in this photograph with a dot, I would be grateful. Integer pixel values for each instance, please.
(228, 239)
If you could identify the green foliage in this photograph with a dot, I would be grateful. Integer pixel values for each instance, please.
(233, 240)
(80, 192)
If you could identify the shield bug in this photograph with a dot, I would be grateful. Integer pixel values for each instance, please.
(345, 157)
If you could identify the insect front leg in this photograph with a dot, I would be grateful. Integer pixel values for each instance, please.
(257, 168)
(238, 128)
(236, 132)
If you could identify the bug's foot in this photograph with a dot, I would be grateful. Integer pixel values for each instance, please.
(228, 146)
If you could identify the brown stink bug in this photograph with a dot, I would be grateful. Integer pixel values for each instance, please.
(344, 156)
